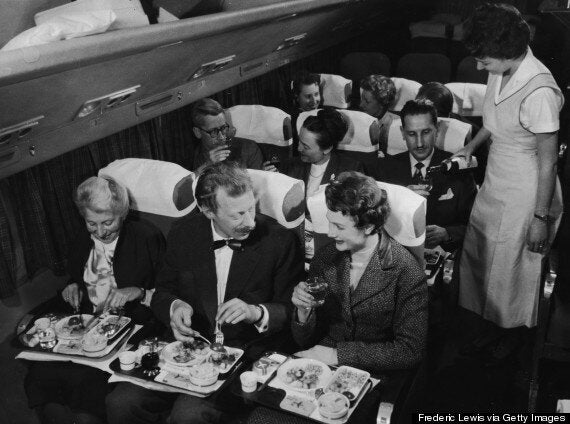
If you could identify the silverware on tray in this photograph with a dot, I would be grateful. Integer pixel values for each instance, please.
(272, 375)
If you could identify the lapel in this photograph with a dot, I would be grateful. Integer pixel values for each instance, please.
(337, 275)
(332, 166)
(204, 266)
(373, 279)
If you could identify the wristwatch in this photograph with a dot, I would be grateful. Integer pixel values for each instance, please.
(261, 316)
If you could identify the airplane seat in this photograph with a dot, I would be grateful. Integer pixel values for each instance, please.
(269, 127)
(452, 136)
(467, 72)
(362, 138)
(159, 191)
(336, 91)
(467, 98)
(405, 90)
(424, 67)
(357, 65)
(405, 223)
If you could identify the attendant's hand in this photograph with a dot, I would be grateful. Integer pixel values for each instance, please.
(435, 235)
(118, 298)
(72, 295)
(236, 310)
(219, 154)
(303, 300)
(466, 151)
(419, 189)
(181, 321)
(328, 355)
(537, 236)
(267, 166)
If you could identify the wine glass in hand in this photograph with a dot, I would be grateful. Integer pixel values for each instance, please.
(426, 182)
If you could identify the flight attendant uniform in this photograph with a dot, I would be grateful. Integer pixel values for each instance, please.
(500, 276)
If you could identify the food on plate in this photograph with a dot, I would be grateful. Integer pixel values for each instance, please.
(182, 354)
(348, 380)
(112, 325)
(223, 360)
(71, 328)
(333, 405)
(197, 347)
(94, 342)
(431, 257)
(204, 374)
(306, 377)
(298, 404)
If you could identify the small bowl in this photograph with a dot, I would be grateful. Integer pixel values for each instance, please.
(94, 342)
(333, 405)
(203, 375)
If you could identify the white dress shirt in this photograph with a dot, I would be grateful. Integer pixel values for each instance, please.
(426, 163)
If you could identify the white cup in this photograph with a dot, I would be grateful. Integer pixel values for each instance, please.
(248, 381)
(127, 360)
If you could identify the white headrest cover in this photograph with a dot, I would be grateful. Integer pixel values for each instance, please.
(336, 91)
(405, 90)
(468, 98)
(262, 124)
(152, 184)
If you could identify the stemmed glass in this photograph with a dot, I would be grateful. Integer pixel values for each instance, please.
(426, 182)
(149, 360)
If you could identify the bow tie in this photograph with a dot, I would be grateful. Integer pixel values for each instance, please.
(231, 243)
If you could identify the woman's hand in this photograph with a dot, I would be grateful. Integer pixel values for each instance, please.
(303, 300)
(537, 236)
(268, 166)
(466, 151)
(72, 295)
(325, 354)
(119, 297)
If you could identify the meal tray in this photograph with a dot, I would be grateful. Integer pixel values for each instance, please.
(167, 372)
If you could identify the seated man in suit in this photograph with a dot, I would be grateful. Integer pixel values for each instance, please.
(216, 138)
(450, 200)
(225, 265)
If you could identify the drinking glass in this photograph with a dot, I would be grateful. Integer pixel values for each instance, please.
(149, 361)
(426, 182)
(317, 287)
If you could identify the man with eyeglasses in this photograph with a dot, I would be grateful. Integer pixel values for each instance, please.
(217, 141)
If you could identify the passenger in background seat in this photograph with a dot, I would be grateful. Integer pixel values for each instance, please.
(378, 93)
(216, 138)
(112, 264)
(451, 196)
(226, 265)
(306, 96)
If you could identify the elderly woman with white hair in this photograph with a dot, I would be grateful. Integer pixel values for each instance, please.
(112, 265)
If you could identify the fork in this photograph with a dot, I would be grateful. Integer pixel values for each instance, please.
(219, 336)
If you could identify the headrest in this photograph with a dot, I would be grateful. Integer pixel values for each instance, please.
(279, 196)
(468, 98)
(262, 124)
(405, 223)
(336, 91)
(451, 136)
(405, 90)
(362, 134)
(162, 188)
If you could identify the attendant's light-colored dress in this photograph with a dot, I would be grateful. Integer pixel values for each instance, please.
(500, 276)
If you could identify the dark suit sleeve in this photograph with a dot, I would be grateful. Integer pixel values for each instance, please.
(406, 348)
(466, 191)
(155, 249)
(254, 157)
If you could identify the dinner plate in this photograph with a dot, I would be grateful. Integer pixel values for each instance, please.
(348, 381)
(66, 332)
(304, 374)
(226, 363)
(176, 349)
(107, 323)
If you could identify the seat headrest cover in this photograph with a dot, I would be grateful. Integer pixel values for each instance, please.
(162, 188)
(279, 196)
(262, 124)
(336, 91)
(468, 98)
(405, 90)
(405, 224)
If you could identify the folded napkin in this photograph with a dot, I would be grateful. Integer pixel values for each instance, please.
(262, 124)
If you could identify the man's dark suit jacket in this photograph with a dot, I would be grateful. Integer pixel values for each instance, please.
(338, 163)
(137, 258)
(450, 201)
(382, 324)
(265, 272)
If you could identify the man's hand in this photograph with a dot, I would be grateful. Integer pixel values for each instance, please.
(537, 236)
(267, 166)
(328, 355)
(219, 154)
(72, 295)
(419, 189)
(435, 235)
(236, 310)
(180, 322)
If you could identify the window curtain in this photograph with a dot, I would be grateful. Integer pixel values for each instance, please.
(46, 219)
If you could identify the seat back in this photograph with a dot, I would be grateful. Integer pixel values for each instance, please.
(160, 191)
(405, 90)
(405, 223)
(467, 71)
(468, 98)
(424, 67)
(452, 136)
(269, 127)
(336, 91)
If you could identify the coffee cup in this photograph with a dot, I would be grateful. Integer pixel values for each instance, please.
(248, 381)
(127, 360)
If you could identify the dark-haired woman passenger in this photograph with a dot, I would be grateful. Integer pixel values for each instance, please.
(514, 217)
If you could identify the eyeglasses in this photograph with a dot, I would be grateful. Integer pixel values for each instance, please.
(215, 132)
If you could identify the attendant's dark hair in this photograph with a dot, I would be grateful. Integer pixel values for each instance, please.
(419, 107)
(228, 175)
(204, 107)
(357, 196)
(304, 78)
(439, 95)
(329, 126)
(497, 31)
(382, 88)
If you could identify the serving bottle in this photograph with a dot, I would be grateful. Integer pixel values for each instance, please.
(456, 164)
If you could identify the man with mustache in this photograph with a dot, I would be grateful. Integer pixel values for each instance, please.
(224, 265)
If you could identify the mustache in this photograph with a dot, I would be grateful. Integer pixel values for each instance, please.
(245, 230)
